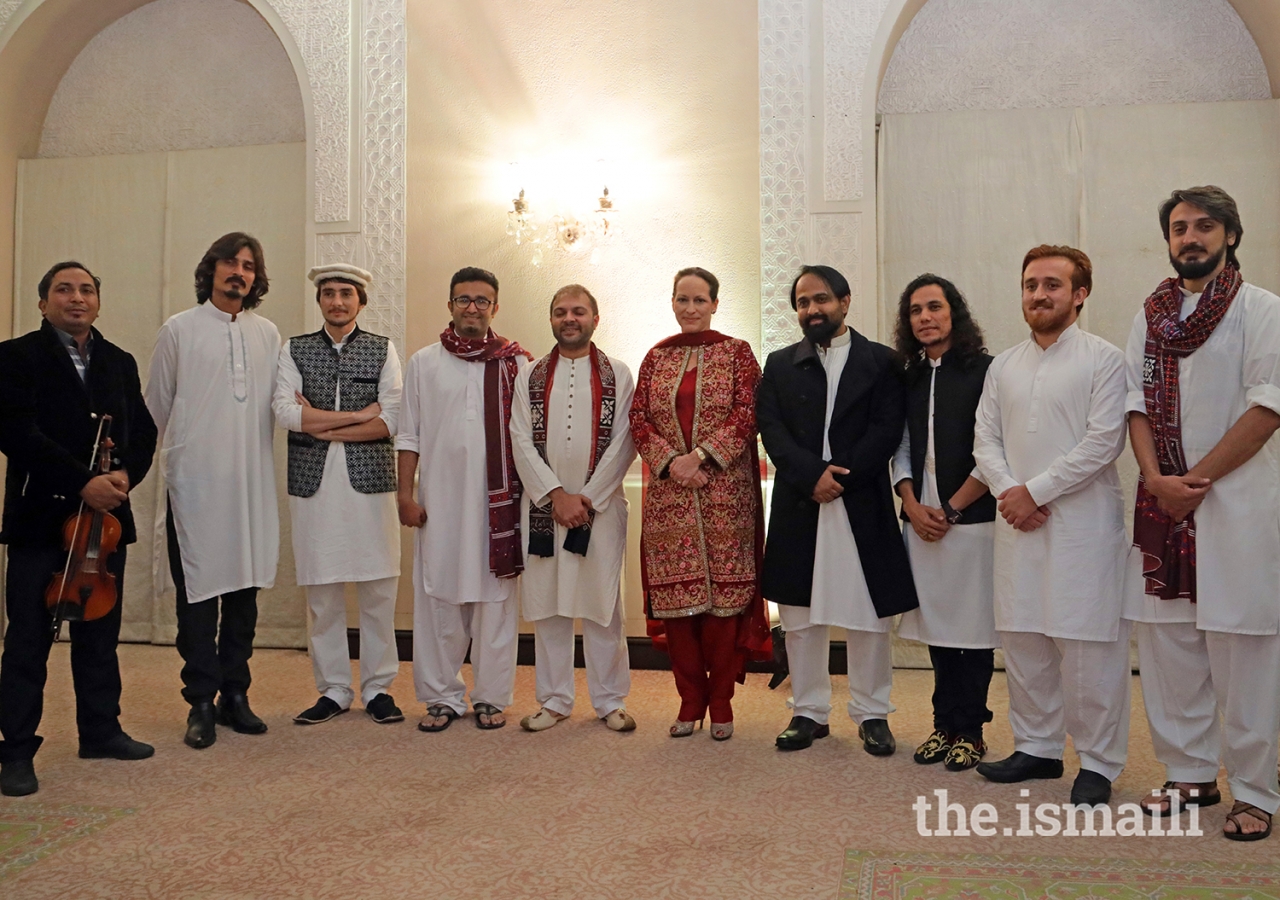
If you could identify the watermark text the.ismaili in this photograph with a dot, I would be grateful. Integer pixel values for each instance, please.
(944, 818)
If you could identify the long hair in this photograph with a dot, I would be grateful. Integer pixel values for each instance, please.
(226, 247)
(1216, 203)
(966, 335)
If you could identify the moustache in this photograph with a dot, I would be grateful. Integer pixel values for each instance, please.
(236, 279)
(1192, 248)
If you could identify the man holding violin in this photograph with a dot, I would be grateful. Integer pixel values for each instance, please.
(56, 385)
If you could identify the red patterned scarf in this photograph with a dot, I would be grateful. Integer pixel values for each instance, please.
(604, 390)
(500, 369)
(1168, 547)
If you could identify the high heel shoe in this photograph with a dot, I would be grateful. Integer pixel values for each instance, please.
(721, 731)
(680, 728)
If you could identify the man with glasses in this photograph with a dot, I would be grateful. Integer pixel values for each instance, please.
(454, 434)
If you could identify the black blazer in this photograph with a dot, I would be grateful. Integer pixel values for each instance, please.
(866, 429)
(955, 405)
(48, 435)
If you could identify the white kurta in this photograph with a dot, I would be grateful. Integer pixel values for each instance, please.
(1238, 523)
(340, 534)
(442, 420)
(840, 594)
(953, 576)
(1053, 420)
(210, 389)
(566, 584)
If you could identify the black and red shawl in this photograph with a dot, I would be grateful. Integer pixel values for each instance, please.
(1169, 547)
(499, 358)
(604, 400)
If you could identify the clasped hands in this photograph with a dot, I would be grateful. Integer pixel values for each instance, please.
(570, 510)
(105, 492)
(1019, 510)
(687, 471)
(1177, 496)
(827, 488)
(929, 522)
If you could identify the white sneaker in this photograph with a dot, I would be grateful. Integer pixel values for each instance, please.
(619, 720)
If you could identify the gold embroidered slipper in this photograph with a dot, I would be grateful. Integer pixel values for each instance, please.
(965, 753)
(934, 749)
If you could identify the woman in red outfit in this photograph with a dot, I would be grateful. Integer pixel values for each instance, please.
(693, 420)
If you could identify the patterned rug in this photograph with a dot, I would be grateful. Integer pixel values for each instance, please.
(29, 832)
(935, 876)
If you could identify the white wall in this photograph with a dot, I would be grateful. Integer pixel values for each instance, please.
(176, 75)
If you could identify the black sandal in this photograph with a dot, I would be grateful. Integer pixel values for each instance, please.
(1169, 789)
(435, 711)
(487, 709)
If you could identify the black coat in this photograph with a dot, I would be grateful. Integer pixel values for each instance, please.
(956, 393)
(48, 435)
(865, 431)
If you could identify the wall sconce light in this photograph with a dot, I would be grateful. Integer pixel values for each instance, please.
(565, 231)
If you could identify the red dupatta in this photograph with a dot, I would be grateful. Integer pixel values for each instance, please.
(754, 638)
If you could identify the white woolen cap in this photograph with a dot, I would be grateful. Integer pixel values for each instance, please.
(342, 271)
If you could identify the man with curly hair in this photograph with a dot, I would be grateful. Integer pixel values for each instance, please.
(213, 374)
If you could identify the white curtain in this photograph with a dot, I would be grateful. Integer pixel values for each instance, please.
(141, 223)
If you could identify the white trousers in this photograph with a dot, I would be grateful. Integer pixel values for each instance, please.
(441, 633)
(1188, 677)
(604, 649)
(808, 654)
(330, 652)
(1059, 686)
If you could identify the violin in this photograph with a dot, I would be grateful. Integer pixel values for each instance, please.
(85, 590)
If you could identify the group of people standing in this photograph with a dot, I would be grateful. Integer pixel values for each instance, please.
(1009, 530)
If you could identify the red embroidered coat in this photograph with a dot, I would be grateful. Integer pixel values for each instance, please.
(699, 545)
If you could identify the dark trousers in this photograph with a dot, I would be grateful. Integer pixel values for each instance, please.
(95, 670)
(705, 661)
(960, 681)
(215, 655)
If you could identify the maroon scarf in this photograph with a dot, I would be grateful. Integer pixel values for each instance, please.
(1168, 547)
(500, 369)
(693, 339)
(604, 399)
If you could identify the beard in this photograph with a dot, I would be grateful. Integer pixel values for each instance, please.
(574, 340)
(1197, 270)
(821, 330)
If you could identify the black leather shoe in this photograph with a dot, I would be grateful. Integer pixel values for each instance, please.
(801, 733)
(119, 747)
(877, 739)
(1090, 789)
(1020, 767)
(18, 778)
(233, 710)
(200, 730)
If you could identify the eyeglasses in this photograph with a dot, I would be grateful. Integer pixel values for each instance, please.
(481, 303)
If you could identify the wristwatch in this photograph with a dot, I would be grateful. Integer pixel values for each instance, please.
(953, 516)
(702, 454)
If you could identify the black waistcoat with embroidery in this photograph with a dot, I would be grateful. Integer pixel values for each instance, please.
(371, 465)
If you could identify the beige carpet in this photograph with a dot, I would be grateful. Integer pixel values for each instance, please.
(350, 809)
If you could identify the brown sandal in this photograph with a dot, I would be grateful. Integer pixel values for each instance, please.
(1161, 801)
(1240, 808)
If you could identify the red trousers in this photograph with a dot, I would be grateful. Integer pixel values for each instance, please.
(705, 660)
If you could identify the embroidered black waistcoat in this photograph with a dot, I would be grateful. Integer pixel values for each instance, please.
(371, 465)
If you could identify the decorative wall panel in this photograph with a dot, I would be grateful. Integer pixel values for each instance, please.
(146, 83)
(1045, 53)
(848, 28)
(784, 82)
(383, 163)
(322, 31)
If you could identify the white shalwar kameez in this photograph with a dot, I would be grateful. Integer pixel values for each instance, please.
(458, 601)
(1053, 420)
(210, 388)
(953, 576)
(839, 597)
(1221, 654)
(556, 590)
(341, 535)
